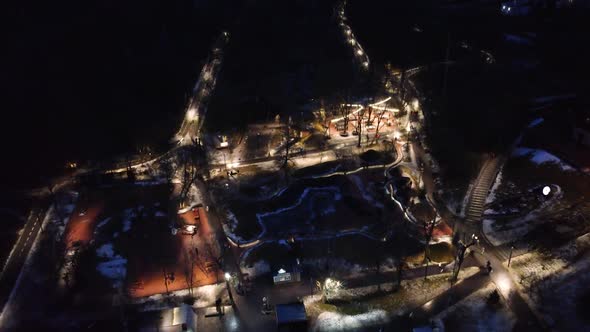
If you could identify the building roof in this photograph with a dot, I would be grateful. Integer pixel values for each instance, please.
(290, 313)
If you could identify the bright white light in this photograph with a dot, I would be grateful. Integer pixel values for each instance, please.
(359, 52)
(546, 190)
(415, 104)
(227, 276)
(503, 284)
(190, 114)
(366, 64)
(352, 42)
(282, 271)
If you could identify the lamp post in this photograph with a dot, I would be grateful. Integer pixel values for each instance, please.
(229, 293)
(510, 256)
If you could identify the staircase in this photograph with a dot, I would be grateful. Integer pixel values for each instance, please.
(480, 191)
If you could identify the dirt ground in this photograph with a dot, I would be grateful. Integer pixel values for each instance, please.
(157, 252)
(136, 221)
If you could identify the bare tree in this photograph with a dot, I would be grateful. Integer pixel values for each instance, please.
(167, 170)
(358, 117)
(189, 269)
(287, 137)
(461, 249)
(168, 279)
(344, 112)
(215, 253)
(190, 172)
(380, 114)
(428, 228)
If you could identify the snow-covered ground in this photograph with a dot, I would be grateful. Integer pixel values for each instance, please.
(554, 283)
(333, 321)
(535, 122)
(412, 293)
(362, 187)
(129, 215)
(103, 222)
(508, 231)
(492, 195)
(516, 39)
(474, 314)
(205, 296)
(230, 226)
(257, 269)
(114, 267)
(541, 157)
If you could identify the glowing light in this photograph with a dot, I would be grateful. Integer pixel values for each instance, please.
(359, 52)
(366, 64)
(191, 114)
(381, 102)
(227, 276)
(546, 190)
(282, 271)
(503, 284)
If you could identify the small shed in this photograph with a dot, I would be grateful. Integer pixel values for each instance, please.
(291, 317)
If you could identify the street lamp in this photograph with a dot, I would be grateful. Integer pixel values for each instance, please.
(228, 277)
(546, 190)
(510, 256)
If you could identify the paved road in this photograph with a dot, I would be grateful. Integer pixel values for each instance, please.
(193, 121)
(17, 258)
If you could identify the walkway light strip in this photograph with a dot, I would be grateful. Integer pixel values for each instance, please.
(360, 108)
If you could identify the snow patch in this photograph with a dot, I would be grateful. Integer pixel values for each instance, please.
(363, 190)
(105, 251)
(477, 315)
(517, 39)
(103, 222)
(535, 122)
(205, 296)
(540, 157)
(333, 321)
(492, 196)
(257, 269)
(114, 269)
